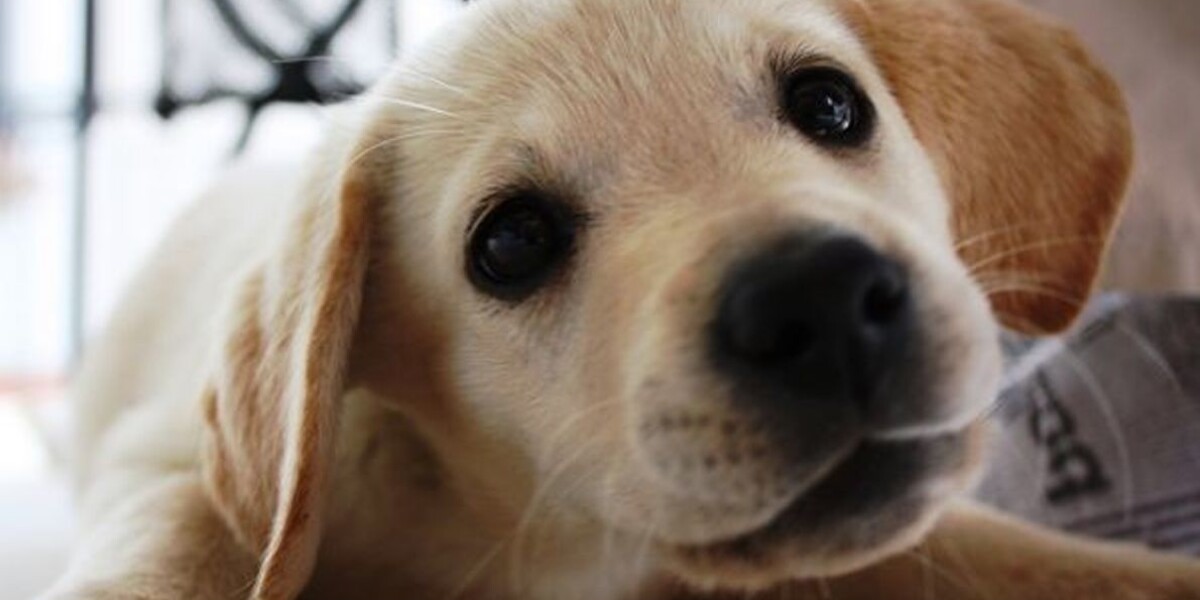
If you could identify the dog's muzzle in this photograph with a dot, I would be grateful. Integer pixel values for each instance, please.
(833, 396)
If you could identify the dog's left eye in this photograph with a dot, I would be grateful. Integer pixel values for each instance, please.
(518, 245)
(826, 105)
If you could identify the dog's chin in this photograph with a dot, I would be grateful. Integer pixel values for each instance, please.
(879, 501)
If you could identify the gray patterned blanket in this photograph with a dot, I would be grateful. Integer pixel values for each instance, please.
(1101, 428)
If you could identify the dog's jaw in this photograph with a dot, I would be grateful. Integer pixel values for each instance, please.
(829, 531)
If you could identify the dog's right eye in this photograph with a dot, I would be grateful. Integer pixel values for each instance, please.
(518, 246)
(826, 105)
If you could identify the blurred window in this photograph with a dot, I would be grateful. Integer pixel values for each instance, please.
(141, 170)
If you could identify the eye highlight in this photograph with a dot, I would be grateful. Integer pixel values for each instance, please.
(518, 245)
(827, 106)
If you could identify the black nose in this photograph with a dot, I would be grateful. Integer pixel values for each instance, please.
(822, 315)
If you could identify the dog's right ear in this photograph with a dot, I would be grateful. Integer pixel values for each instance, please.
(271, 408)
(1030, 137)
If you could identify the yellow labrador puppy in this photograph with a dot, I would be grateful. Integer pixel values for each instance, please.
(609, 299)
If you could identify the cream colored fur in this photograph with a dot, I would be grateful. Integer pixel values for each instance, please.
(303, 396)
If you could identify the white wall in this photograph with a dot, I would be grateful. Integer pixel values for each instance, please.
(142, 171)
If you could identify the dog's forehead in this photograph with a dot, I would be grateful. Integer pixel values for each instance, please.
(648, 21)
(582, 83)
(636, 49)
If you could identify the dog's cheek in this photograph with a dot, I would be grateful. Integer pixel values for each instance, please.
(954, 371)
(402, 347)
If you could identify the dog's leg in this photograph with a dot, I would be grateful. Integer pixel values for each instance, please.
(976, 554)
(163, 541)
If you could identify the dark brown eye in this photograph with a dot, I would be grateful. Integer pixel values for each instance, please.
(827, 106)
(518, 245)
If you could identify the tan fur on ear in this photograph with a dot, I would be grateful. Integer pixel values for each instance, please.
(1031, 139)
(272, 408)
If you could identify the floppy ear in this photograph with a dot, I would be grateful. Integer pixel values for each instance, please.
(1031, 140)
(272, 405)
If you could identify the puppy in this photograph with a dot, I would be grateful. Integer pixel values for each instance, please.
(607, 299)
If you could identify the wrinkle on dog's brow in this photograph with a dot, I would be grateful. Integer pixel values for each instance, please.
(537, 171)
(566, 170)
(531, 170)
(784, 60)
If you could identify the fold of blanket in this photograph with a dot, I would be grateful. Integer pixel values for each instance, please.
(1101, 428)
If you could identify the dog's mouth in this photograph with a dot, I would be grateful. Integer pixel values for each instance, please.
(856, 512)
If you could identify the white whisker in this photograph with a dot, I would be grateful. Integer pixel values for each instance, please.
(1035, 289)
(983, 236)
(476, 571)
(538, 500)
(524, 529)
(980, 265)
(402, 69)
(418, 106)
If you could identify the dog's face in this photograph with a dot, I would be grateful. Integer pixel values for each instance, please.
(699, 269)
(713, 274)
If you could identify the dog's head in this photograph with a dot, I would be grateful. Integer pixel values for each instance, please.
(719, 277)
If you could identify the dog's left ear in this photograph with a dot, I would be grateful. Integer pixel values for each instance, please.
(274, 391)
(1031, 140)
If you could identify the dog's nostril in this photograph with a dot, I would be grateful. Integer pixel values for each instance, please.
(886, 299)
(764, 340)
